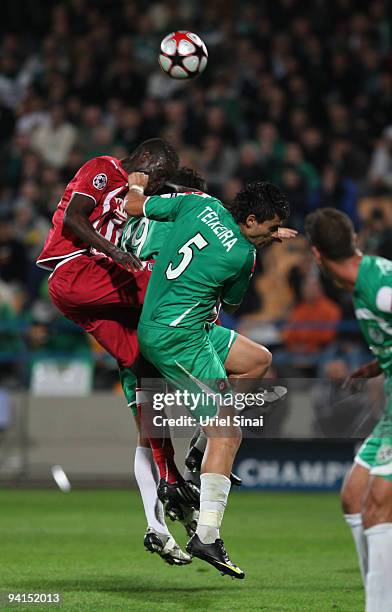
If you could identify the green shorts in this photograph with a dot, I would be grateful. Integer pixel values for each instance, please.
(221, 338)
(187, 358)
(375, 453)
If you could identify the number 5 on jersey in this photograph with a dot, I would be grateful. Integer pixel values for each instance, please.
(187, 255)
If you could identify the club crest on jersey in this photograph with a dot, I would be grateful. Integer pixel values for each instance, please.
(384, 455)
(222, 384)
(100, 181)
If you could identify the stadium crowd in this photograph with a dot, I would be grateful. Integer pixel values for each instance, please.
(296, 93)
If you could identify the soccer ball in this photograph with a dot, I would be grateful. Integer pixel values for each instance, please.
(183, 55)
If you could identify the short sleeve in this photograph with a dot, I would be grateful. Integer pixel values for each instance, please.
(164, 207)
(96, 177)
(235, 288)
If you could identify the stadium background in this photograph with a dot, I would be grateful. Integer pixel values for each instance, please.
(298, 97)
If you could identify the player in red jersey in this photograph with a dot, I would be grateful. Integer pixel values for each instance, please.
(92, 281)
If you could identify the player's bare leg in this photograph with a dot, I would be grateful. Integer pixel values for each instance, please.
(352, 496)
(377, 520)
(222, 446)
(246, 363)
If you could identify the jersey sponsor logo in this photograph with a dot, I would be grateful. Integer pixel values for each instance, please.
(223, 233)
(100, 181)
(119, 212)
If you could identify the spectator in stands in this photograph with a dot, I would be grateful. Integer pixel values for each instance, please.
(335, 191)
(54, 139)
(13, 257)
(312, 324)
(380, 173)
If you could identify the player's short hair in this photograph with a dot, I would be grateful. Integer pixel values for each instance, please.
(184, 179)
(187, 177)
(332, 233)
(161, 151)
(262, 199)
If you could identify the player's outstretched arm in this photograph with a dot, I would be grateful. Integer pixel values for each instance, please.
(76, 220)
(135, 198)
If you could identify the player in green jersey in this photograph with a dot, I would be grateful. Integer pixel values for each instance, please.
(146, 237)
(241, 357)
(367, 491)
(210, 256)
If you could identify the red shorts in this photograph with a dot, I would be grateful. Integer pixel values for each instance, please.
(104, 299)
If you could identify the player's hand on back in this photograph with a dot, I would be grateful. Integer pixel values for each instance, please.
(126, 260)
(138, 181)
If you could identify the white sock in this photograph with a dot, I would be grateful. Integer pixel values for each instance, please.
(379, 577)
(354, 521)
(146, 474)
(214, 491)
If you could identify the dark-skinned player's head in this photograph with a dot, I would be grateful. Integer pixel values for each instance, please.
(332, 239)
(182, 180)
(259, 209)
(189, 179)
(157, 158)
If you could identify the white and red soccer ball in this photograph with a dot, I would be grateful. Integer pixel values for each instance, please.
(183, 55)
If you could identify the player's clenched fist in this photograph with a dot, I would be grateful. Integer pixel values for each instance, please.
(138, 181)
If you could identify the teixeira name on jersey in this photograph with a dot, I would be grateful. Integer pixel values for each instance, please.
(212, 220)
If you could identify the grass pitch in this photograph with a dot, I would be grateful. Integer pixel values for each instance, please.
(295, 549)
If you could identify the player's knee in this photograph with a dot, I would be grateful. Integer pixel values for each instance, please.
(377, 505)
(263, 360)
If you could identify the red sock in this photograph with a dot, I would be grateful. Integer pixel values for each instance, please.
(163, 452)
(161, 446)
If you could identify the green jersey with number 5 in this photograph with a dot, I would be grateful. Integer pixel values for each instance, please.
(373, 307)
(205, 257)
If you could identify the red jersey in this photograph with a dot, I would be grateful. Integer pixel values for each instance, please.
(105, 181)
